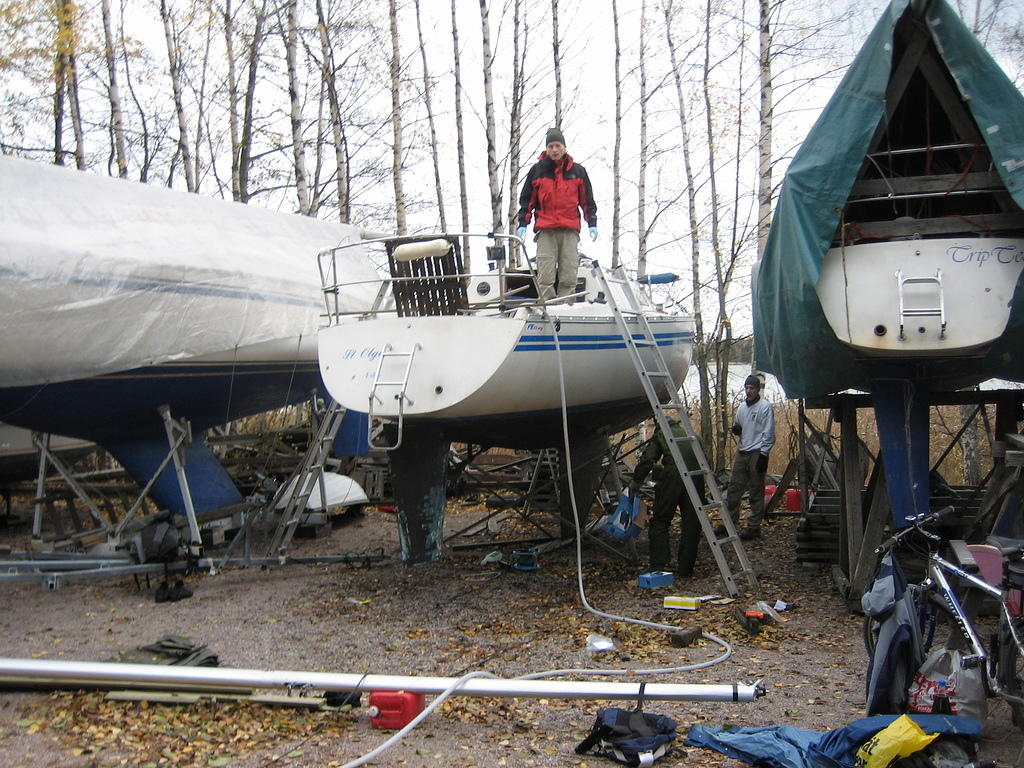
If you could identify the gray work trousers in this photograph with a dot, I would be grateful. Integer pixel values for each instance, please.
(557, 255)
(746, 479)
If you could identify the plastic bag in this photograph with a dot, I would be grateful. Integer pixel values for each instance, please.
(901, 738)
(625, 522)
(964, 688)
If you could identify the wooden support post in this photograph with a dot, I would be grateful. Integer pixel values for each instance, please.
(852, 529)
(802, 456)
(878, 515)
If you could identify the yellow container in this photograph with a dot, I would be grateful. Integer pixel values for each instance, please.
(682, 603)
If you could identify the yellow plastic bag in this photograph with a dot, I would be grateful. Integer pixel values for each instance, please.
(901, 738)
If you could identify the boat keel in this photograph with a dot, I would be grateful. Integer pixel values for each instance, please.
(418, 476)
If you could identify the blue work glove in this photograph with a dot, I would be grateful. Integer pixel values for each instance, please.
(593, 234)
(521, 232)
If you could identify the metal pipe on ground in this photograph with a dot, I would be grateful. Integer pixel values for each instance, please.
(102, 674)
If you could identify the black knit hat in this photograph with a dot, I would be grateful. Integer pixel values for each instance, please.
(554, 134)
(752, 379)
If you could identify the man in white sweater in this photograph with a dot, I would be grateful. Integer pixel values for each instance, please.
(755, 427)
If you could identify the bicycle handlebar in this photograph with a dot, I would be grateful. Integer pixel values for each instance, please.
(917, 523)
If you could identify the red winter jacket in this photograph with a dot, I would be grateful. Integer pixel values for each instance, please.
(556, 195)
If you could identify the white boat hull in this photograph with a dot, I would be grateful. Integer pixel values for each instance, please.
(466, 367)
(860, 296)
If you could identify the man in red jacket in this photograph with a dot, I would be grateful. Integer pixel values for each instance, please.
(556, 190)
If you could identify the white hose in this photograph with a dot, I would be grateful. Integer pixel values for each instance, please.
(579, 563)
(727, 649)
(399, 735)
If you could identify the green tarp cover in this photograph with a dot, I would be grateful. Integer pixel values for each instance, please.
(793, 340)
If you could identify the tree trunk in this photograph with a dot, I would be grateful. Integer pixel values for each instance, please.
(116, 119)
(245, 141)
(700, 347)
(723, 336)
(145, 155)
(291, 37)
(67, 46)
(617, 151)
(460, 138)
(557, 62)
(200, 116)
(229, 44)
(764, 143)
(428, 103)
(641, 207)
(492, 151)
(515, 130)
(60, 69)
(174, 68)
(971, 447)
(337, 127)
(396, 121)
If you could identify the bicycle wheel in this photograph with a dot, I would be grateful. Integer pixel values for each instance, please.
(1010, 669)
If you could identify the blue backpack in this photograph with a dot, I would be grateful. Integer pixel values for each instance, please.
(630, 737)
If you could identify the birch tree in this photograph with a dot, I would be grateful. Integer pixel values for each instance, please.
(520, 38)
(428, 104)
(66, 77)
(700, 346)
(113, 94)
(228, 18)
(174, 69)
(766, 116)
(617, 149)
(641, 209)
(489, 123)
(329, 77)
(396, 121)
(460, 138)
(243, 151)
(291, 36)
(556, 53)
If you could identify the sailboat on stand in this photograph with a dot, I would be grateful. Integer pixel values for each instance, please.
(446, 355)
(894, 261)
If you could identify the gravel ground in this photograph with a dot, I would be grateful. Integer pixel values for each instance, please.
(446, 619)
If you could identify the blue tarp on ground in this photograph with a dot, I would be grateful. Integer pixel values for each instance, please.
(788, 319)
(784, 746)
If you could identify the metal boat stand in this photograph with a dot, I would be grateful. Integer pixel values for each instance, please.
(295, 491)
(530, 488)
(48, 459)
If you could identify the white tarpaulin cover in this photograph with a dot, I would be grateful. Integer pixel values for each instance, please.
(99, 275)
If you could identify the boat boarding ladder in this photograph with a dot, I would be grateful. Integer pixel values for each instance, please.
(655, 376)
(936, 311)
(305, 477)
(396, 388)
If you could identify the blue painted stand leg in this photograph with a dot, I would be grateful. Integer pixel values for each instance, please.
(209, 484)
(418, 474)
(901, 413)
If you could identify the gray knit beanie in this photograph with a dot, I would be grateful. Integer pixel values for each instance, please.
(554, 134)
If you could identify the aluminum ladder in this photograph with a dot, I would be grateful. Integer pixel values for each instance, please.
(302, 481)
(397, 387)
(938, 311)
(654, 374)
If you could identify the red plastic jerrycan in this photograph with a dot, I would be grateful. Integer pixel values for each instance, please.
(395, 709)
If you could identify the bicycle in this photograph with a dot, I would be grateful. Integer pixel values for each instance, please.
(934, 598)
